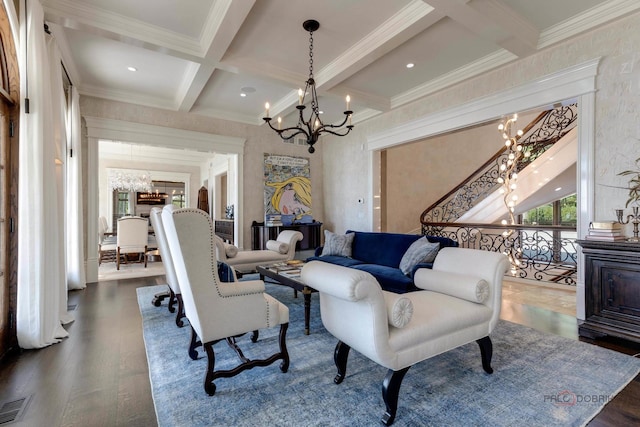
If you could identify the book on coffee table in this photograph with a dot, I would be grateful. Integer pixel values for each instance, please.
(291, 273)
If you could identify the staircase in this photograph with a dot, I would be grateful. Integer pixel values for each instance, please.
(539, 136)
(470, 213)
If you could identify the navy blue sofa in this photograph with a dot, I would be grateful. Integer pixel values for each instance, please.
(380, 254)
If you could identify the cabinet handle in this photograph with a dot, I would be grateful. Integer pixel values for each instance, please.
(611, 291)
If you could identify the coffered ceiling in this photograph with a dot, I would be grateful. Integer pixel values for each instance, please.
(199, 56)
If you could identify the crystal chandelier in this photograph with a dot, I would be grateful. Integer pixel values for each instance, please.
(130, 181)
(313, 127)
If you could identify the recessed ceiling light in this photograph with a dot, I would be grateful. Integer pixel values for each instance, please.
(558, 189)
(243, 94)
(410, 65)
(320, 112)
(132, 69)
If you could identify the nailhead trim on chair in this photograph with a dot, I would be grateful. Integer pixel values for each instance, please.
(214, 261)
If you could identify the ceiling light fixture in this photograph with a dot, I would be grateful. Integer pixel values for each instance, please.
(132, 69)
(410, 65)
(313, 127)
(129, 180)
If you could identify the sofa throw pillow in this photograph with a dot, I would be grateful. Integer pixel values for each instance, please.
(276, 246)
(399, 309)
(422, 250)
(337, 244)
(230, 250)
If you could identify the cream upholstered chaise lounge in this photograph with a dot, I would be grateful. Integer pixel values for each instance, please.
(459, 302)
(218, 310)
(279, 250)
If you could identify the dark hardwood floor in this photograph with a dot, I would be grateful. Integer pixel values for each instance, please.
(96, 377)
(99, 375)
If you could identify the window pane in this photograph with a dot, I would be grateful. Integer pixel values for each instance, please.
(542, 215)
(568, 211)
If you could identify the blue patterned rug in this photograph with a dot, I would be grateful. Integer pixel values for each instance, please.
(538, 380)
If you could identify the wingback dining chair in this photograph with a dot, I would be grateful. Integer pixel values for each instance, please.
(216, 310)
(132, 237)
(170, 273)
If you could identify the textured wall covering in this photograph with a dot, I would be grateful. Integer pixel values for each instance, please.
(259, 140)
(617, 124)
(421, 172)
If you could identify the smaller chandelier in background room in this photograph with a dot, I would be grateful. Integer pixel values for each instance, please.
(313, 127)
(129, 181)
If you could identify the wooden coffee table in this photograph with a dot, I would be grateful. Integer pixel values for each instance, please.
(286, 275)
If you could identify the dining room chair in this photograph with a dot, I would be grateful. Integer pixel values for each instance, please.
(132, 238)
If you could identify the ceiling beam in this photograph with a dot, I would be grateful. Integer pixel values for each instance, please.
(408, 22)
(104, 23)
(223, 23)
(494, 21)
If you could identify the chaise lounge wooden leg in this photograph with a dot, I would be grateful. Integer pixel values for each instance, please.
(486, 352)
(390, 391)
(340, 356)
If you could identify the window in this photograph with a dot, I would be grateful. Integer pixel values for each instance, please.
(121, 206)
(178, 200)
(559, 212)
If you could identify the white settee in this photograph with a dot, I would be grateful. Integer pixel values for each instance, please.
(459, 302)
(279, 250)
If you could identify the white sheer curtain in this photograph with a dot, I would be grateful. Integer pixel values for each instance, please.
(42, 297)
(76, 278)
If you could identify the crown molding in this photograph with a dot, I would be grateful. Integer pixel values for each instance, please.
(120, 130)
(571, 82)
(127, 97)
(587, 20)
(472, 69)
(119, 25)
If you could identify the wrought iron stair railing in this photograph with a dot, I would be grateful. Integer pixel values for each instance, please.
(539, 135)
(546, 253)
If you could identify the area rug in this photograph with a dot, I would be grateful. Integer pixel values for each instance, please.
(108, 271)
(538, 380)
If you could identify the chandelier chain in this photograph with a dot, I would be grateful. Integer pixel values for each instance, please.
(311, 54)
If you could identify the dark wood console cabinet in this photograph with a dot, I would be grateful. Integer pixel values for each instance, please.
(612, 290)
(311, 234)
